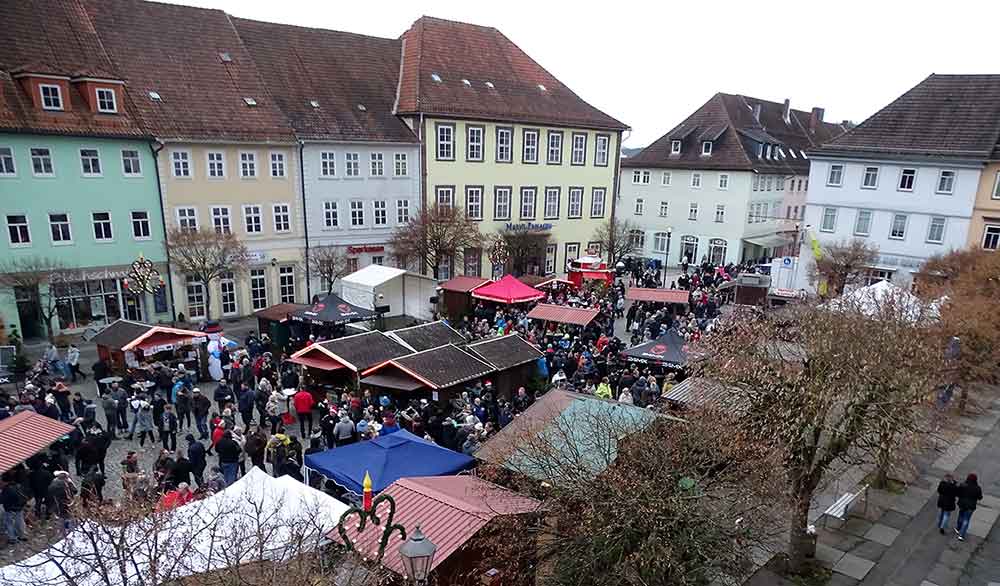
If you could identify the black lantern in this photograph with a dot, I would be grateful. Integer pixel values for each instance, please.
(417, 555)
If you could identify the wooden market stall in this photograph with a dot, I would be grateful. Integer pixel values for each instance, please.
(274, 321)
(514, 359)
(457, 294)
(675, 299)
(438, 374)
(336, 363)
(128, 344)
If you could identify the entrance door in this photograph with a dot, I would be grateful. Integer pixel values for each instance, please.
(133, 307)
(27, 314)
(689, 249)
(717, 251)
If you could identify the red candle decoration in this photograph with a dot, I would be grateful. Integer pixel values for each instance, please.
(367, 499)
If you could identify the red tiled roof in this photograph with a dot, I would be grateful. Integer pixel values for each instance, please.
(449, 509)
(25, 434)
(578, 316)
(463, 284)
(456, 51)
(338, 70)
(175, 51)
(657, 295)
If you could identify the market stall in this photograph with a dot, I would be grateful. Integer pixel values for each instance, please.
(457, 293)
(326, 318)
(514, 359)
(390, 291)
(589, 268)
(128, 344)
(25, 434)
(668, 351)
(274, 322)
(336, 363)
(577, 316)
(508, 290)
(438, 374)
(427, 336)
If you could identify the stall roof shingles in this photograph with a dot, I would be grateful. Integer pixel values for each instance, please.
(579, 316)
(25, 434)
(365, 350)
(57, 38)
(444, 366)
(430, 335)
(463, 284)
(505, 352)
(175, 51)
(120, 333)
(279, 312)
(339, 70)
(456, 51)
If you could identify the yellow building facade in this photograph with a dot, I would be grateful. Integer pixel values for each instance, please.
(984, 229)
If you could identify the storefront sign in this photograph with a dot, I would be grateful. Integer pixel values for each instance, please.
(88, 275)
(529, 227)
(254, 256)
(899, 261)
(360, 249)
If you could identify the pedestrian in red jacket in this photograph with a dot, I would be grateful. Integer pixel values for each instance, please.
(304, 403)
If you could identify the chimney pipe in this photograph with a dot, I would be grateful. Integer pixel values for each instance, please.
(815, 118)
(756, 112)
(787, 113)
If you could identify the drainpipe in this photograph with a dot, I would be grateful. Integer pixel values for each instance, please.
(305, 214)
(163, 221)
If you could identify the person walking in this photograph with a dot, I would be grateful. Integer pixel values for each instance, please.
(229, 456)
(62, 490)
(947, 496)
(969, 494)
(304, 402)
(73, 360)
(110, 407)
(246, 402)
(196, 456)
(168, 430)
(144, 423)
(200, 405)
(14, 500)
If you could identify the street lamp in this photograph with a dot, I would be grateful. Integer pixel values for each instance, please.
(417, 555)
(666, 255)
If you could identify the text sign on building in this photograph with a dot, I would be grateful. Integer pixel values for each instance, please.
(529, 227)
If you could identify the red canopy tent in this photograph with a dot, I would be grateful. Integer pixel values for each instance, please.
(508, 290)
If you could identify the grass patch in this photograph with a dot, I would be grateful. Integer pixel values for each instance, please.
(813, 575)
(894, 486)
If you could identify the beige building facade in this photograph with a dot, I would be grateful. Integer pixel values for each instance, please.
(984, 228)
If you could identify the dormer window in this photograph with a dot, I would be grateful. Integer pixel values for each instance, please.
(760, 151)
(706, 148)
(51, 97)
(106, 102)
(767, 152)
(675, 147)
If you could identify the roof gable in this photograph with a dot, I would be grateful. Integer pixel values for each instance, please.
(427, 336)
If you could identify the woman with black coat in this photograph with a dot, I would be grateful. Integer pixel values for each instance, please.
(969, 494)
(947, 496)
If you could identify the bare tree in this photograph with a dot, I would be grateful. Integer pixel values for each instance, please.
(328, 263)
(522, 246)
(843, 264)
(38, 278)
(206, 256)
(615, 236)
(436, 234)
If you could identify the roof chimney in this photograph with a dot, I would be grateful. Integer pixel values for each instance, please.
(787, 113)
(815, 118)
(756, 112)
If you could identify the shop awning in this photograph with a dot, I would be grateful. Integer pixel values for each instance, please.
(332, 311)
(317, 360)
(25, 434)
(508, 290)
(657, 295)
(552, 281)
(279, 312)
(161, 341)
(577, 316)
(391, 380)
(769, 240)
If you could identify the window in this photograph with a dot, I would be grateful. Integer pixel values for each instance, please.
(597, 196)
(717, 251)
(331, 218)
(898, 229)
(836, 176)
(645, 177)
(7, 168)
(51, 97)
(637, 238)
(693, 211)
(195, 298)
(554, 151)
(227, 291)
(328, 164)
(216, 165)
(252, 222)
(445, 197)
(353, 164)
(636, 177)
(444, 269)
(402, 211)
(529, 146)
(248, 165)
(720, 213)
(572, 251)
(102, 226)
(578, 156)
(799, 187)
(779, 183)
(286, 284)
(575, 203)
(768, 182)
(603, 141)
(378, 260)
(829, 222)
(258, 289)
(946, 182)
(399, 165)
(60, 229)
(472, 258)
(474, 203)
(640, 206)
(187, 219)
(106, 101)
(935, 230)
(756, 182)
(550, 258)
(795, 211)
(357, 213)
(723, 181)
(870, 178)
(182, 163)
(445, 142)
(665, 178)
(996, 187)
(352, 265)
(140, 225)
(277, 165)
(221, 220)
(131, 166)
(696, 180)
(501, 203)
(660, 242)
(90, 161)
(675, 147)
(505, 145)
(664, 208)
(788, 212)
(906, 179)
(282, 217)
(873, 276)
(17, 230)
(863, 223)
(380, 212)
(551, 204)
(991, 236)
(528, 203)
(377, 166)
(706, 148)
(474, 142)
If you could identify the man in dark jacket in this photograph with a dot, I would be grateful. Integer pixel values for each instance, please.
(196, 457)
(229, 456)
(200, 405)
(947, 495)
(13, 499)
(39, 480)
(223, 395)
(62, 490)
(969, 494)
(246, 402)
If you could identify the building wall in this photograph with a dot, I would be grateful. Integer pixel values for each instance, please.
(270, 250)
(323, 186)
(489, 174)
(68, 191)
(986, 214)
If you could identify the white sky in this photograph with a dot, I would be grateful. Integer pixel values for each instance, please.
(650, 64)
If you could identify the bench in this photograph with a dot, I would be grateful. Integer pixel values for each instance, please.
(840, 509)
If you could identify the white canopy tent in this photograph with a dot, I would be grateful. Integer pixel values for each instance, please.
(872, 299)
(404, 292)
(256, 518)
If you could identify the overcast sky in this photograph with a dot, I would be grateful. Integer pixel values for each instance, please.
(650, 64)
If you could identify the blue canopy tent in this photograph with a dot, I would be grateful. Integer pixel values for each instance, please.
(387, 459)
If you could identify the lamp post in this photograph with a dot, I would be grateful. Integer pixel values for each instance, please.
(666, 255)
(417, 555)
